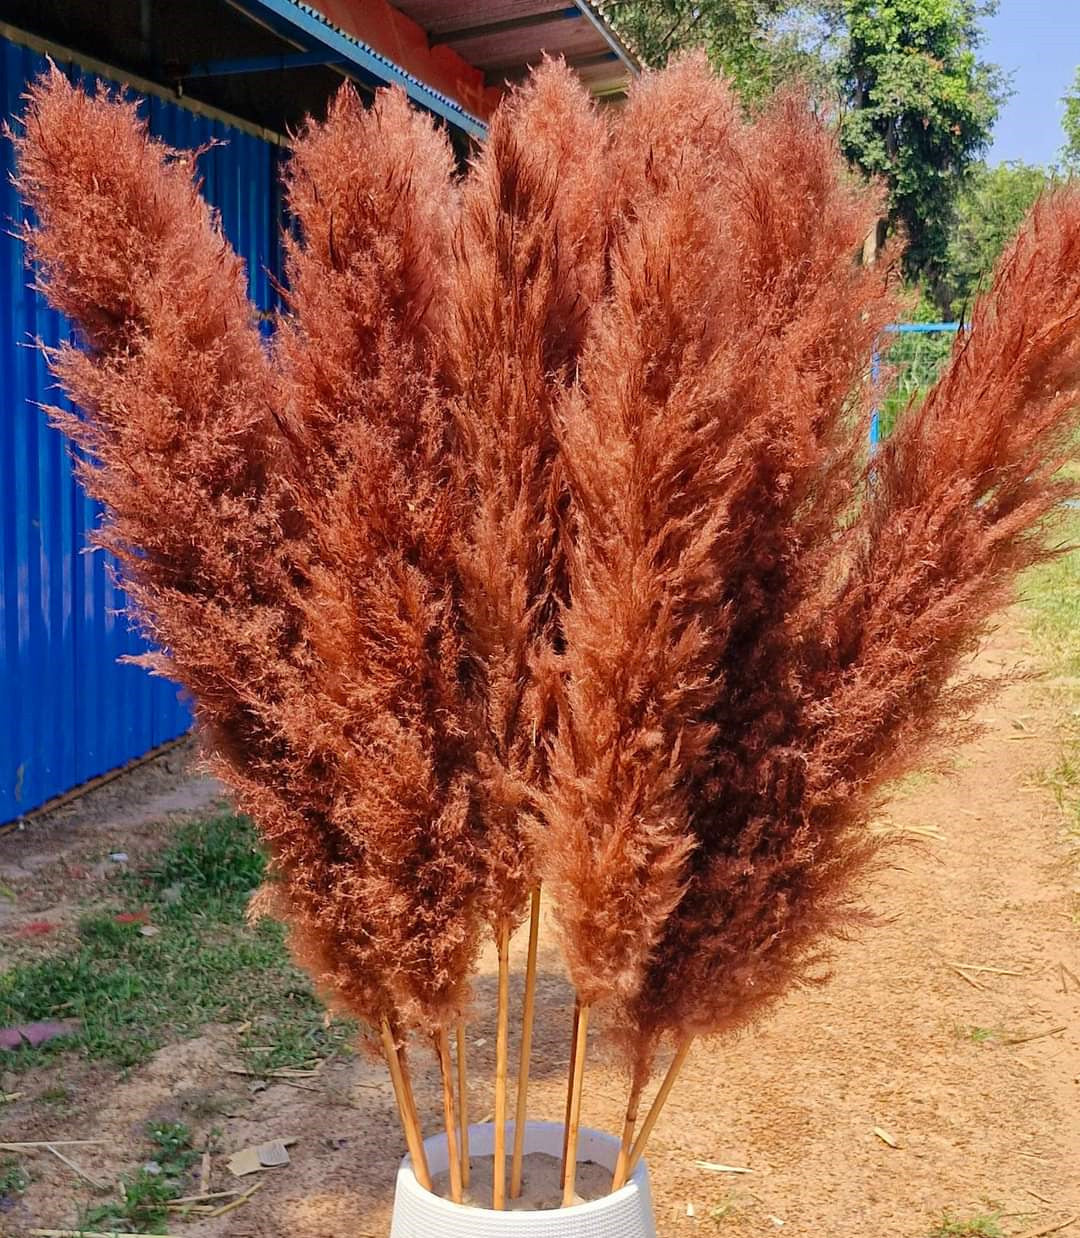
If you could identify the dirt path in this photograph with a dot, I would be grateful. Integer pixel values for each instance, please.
(984, 1120)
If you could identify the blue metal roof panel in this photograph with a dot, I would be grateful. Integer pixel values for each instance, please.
(297, 21)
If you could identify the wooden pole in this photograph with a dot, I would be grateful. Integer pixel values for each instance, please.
(463, 1104)
(502, 1038)
(569, 1090)
(409, 1121)
(520, 1112)
(575, 1106)
(410, 1104)
(658, 1103)
(622, 1164)
(442, 1045)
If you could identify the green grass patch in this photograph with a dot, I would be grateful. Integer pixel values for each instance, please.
(135, 992)
(978, 1035)
(13, 1179)
(1052, 594)
(145, 1195)
(912, 784)
(982, 1225)
(915, 359)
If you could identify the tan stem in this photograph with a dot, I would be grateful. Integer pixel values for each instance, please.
(502, 1046)
(463, 1104)
(658, 1104)
(569, 1091)
(622, 1164)
(442, 1047)
(410, 1123)
(575, 1106)
(414, 1114)
(520, 1112)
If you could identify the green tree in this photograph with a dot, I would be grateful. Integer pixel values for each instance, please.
(1070, 152)
(914, 102)
(989, 209)
(920, 107)
(757, 43)
(657, 28)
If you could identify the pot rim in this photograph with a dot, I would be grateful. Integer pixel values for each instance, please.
(636, 1182)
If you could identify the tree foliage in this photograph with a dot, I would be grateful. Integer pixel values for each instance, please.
(1070, 123)
(914, 102)
(758, 44)
(989, 209)
(921, 106)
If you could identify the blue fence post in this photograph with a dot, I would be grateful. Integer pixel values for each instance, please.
(875, 415)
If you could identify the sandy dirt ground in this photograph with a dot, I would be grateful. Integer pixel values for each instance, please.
(985, 1121)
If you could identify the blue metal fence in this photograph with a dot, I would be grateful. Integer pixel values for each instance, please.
(909, 378)
(70, 711)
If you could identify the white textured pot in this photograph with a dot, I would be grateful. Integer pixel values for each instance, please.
(625, 1214)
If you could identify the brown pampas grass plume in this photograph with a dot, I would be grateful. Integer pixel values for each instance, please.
(372, 194)
(729, 727)
(714, 397)
(542, 542)
(527, 266)
(284, 529)
(865, 670)
(253, 539)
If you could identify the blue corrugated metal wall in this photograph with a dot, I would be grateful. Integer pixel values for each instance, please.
(68, 710)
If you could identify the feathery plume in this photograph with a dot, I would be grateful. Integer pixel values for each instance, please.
(845, 669)
(549, 511)
(708, 407)
(528, 258)
(183, 442)
(250, 509)
(373, 195)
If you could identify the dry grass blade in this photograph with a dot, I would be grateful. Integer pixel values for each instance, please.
(1068, 975)
(92, 1233)
(1049, 1229)
(975, 984)
(982, 967)
(202, 1197)
(77, 1169)
(1023, 1040)
(50, 1144)
(287, 1072)
(238, 1202)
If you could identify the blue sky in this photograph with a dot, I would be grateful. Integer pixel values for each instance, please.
(1039, 41)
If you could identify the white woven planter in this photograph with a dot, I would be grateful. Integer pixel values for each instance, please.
(625, 1214)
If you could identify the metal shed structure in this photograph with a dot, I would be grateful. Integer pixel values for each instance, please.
(242, 73)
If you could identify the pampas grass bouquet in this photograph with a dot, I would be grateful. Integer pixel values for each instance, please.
(539, 546)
